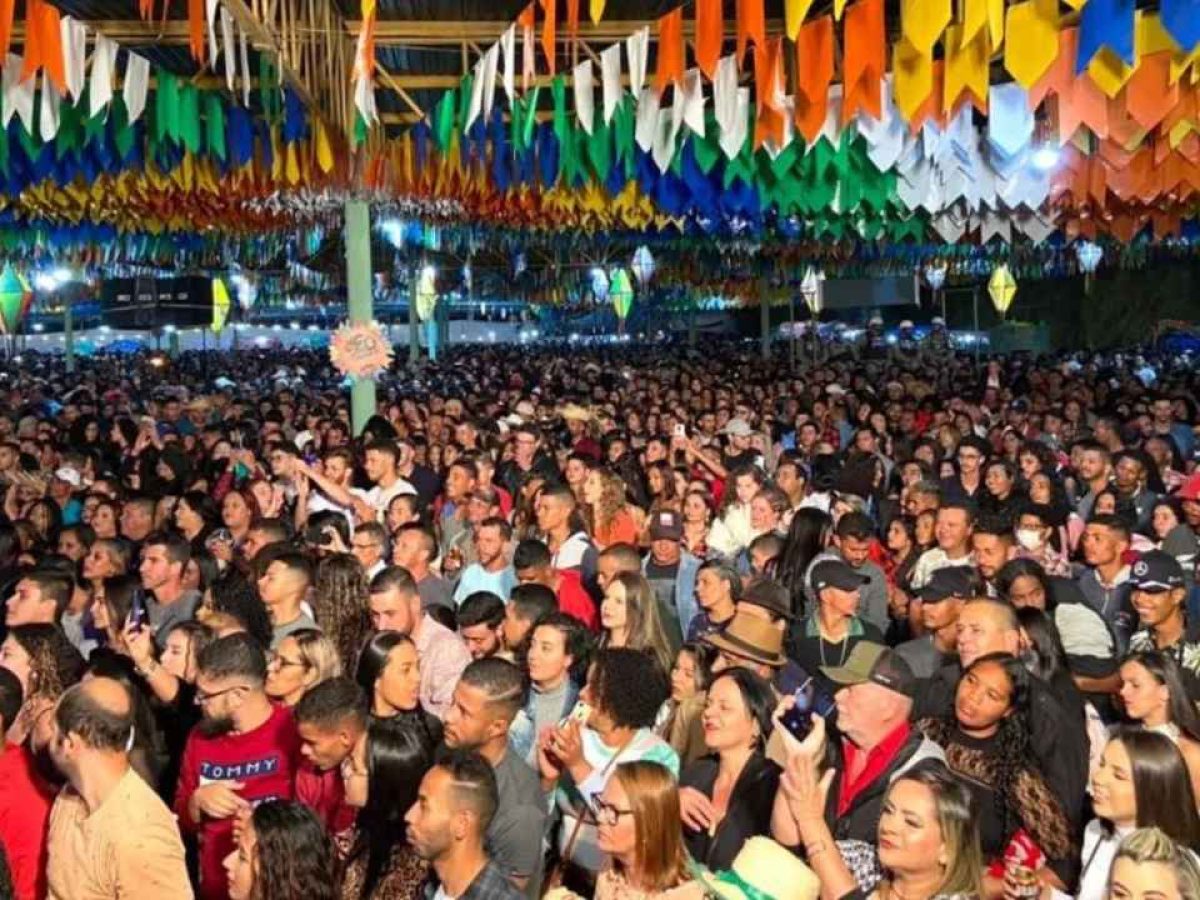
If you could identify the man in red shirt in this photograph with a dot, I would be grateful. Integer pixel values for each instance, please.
(25, 802)
(532, 562)
(331, 719)
(243, 752)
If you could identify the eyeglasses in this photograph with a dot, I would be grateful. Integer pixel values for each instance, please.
(282, 662)
(607, 813)
(203, 698)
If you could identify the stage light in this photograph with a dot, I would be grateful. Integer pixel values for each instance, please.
(1045, 157)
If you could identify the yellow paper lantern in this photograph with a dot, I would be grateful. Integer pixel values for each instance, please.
(1003, 288)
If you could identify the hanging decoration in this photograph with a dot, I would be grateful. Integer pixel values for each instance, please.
(15, 297)
(1002, 288)
(599, 285)
(427, 295)
(935, 274)
(1089, 254)
(620, 291)
(812, 288)
(643, 265)
(221, 305)
(360, 349)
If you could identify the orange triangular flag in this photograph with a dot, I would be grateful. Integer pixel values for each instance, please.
(751, 26)
(550, 34)
(710, 32)
(769, 123)
(864, 59)
(146, 9)
(573, 17)
(195, 13)
(814, 71)
(7, 11)
(670, 49)
(525, 18)
(43, 43)
(1149, 95)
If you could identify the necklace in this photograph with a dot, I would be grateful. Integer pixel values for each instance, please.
(845, 642)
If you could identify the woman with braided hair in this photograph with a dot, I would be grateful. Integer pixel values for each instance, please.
(987, 743)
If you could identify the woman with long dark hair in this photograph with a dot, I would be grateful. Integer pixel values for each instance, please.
(1153, 694)
(282, 853)
(806, 537)
(389, 670)
(1142, 782)
(340, 604)
(196, 515)
(381, 779)
(987, 741)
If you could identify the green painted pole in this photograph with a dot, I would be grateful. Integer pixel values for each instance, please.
(414, 337)
(360, 303)
(69, 337)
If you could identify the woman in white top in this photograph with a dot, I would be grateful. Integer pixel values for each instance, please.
(1142, 782)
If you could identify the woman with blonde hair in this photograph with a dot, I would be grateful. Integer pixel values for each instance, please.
(630, 617)
(609, 514)
(638, 827)
(1149, 864)
(303, 659)
(340, 604)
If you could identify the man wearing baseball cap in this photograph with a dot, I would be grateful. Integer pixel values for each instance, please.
(671, 571)
(941, 599)
(876, 743)
(1159, 592)
(826, 637)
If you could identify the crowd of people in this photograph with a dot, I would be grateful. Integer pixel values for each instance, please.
(617, 622)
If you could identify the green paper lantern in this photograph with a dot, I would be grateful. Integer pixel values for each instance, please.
(620, 292)
(426, 293)
(14, 296)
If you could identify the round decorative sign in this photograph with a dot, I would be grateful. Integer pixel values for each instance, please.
(360, 350)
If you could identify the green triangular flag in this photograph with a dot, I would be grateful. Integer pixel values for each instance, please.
(214, 119)
(122, 130)
(599, 148)
(443, 120)
(189, 117)
(166, 106)
(464, 99)
(530, 121)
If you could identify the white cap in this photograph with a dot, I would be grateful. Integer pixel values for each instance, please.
(938, 320)
(737, 428)
(835, 389)
(907, 323)
(876, 320)
(70, 475)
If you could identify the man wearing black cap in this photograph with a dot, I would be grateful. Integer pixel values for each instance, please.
(941, 599)
(826, 637)
(671, 571)
(1159, 592)
(876, 744)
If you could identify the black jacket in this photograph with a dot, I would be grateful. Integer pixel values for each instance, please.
(748, 814)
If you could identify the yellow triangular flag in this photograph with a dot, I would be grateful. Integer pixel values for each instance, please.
(596, 8)
(794, 13)
(324, 151)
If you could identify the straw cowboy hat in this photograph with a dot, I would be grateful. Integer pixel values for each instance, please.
(763, 869)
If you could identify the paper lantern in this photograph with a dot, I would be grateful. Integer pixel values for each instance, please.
(15, 296)
(599, 284)
(1089, 255)
(620, 291)
(643, 265)
(467, 277)
(813, 290)
(426, 292)
(1003, 288)
(221, 305)
(935, 275)
(519, 265)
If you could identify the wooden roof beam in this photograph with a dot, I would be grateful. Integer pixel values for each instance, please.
(433, 33)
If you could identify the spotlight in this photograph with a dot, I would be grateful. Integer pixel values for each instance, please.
(1045, 157)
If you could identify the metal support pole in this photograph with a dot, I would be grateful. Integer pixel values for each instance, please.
(764, 321)
(414, 338)
(359, 300)
(69, 338)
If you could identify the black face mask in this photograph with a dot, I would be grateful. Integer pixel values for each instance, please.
(215, 727)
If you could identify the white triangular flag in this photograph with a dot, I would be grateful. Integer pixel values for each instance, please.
(475, 107)
(665, 132)
(74, 47)
(490, 61)
(636, 47)
(18, 94)
(210, 12)
(364, 99)
(244, 53)
(48, 109)
(585, 94)
(610, 79)
(230, 54)
(733, 139)
(725, 88)
(100, 87)
(693, 101)
(508, 47)
(647, 119)
(137, 84)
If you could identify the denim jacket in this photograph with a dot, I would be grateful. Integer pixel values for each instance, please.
(521, 733)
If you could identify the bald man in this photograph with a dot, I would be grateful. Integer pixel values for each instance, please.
(110, 834)
(988, 627)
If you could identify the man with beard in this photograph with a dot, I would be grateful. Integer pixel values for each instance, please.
(244, 751)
